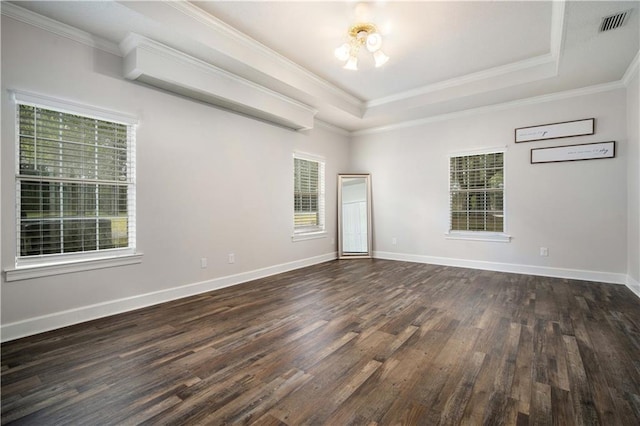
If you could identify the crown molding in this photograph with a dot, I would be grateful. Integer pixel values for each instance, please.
(161, 66)
(557, 28)
(332, 128)
(192, 12)
(465, 79)
(196, 14)
(141, 42)
(632, 70)
(567, 94)
(233, 34)
(553, 57)
(28, 17)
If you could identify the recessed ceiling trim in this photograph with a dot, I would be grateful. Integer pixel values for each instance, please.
(567, 94)
(28, 17)
(335, 129)
(216, 24)
(558, 16)
(558, 12)
(465, 80)
(632, 69)
(251, 60)
(162, 66)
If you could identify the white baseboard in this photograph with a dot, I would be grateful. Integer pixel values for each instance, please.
(56, 320)
(574, 274)
(633, 285)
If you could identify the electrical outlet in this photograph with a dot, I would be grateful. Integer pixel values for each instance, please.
(232, 258)
(394, 241)
(544, 251)
(203, 262)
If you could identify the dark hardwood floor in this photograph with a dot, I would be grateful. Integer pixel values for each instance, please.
(345, 342)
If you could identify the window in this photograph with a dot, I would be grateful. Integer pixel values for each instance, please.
(476, 193)
(75, 185)
(308, 195)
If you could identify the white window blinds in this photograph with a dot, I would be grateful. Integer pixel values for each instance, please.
(75, 183)
(308, 195)
(477, 192)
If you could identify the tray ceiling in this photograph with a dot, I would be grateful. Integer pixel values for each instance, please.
(445, 56)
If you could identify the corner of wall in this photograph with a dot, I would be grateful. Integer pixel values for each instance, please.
(633, 285)
(631, 80)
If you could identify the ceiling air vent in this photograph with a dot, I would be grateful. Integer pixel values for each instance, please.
(614, 21)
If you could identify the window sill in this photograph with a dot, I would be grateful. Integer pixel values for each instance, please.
(48, 269)
(497, 237)
(309, 236)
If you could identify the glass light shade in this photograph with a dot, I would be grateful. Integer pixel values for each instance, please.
(374, 42)
(380, 58)
(342, 52)
(352, 64)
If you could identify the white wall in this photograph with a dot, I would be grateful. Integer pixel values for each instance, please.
(633, 129)
(578, 210)
(210, 182)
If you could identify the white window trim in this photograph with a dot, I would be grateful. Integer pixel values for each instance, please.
(501, 237)
(312, 234)
(113, 259)
(69, 107)
(55, 264)
(309, 235)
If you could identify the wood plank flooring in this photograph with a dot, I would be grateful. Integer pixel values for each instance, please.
(368, 342)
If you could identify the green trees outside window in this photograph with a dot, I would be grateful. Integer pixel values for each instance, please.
(308, 195)
(73, 184)
(477, 192)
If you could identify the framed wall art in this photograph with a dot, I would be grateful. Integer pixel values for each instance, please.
(585, 151)
(565, 129)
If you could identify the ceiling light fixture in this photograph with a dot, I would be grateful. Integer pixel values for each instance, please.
(367, 35)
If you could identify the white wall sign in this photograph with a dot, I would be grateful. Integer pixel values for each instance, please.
(556, 130)
(587, 151)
